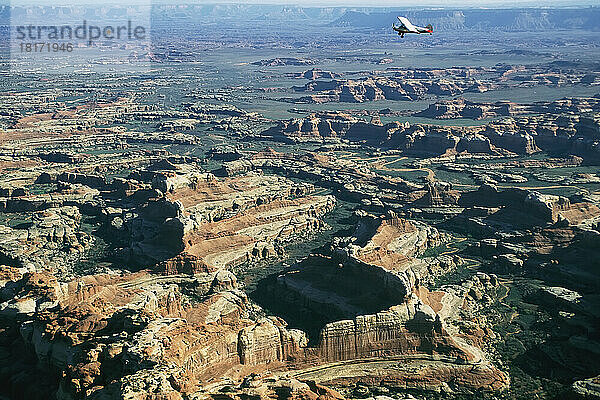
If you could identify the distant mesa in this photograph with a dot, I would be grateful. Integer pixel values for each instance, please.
(278, 62)
(401, 84)
(556, 127)
(313, 74)
(461, 108)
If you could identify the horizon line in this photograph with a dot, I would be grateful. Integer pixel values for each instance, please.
(433, 4)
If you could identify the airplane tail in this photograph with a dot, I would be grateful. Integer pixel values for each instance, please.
(429, 28)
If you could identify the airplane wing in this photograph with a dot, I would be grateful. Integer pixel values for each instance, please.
(407, 24)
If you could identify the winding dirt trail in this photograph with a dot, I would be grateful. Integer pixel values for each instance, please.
(514, 314)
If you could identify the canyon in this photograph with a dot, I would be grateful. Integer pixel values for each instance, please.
(306, 208)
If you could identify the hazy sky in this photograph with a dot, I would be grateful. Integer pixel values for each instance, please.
(329, 3)
(353, 3)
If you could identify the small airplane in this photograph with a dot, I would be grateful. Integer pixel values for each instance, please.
(407, 27)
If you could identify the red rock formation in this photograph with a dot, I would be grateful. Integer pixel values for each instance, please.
(183, 263)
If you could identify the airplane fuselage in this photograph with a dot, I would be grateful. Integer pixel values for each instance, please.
(407, 27)
(402, 31)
